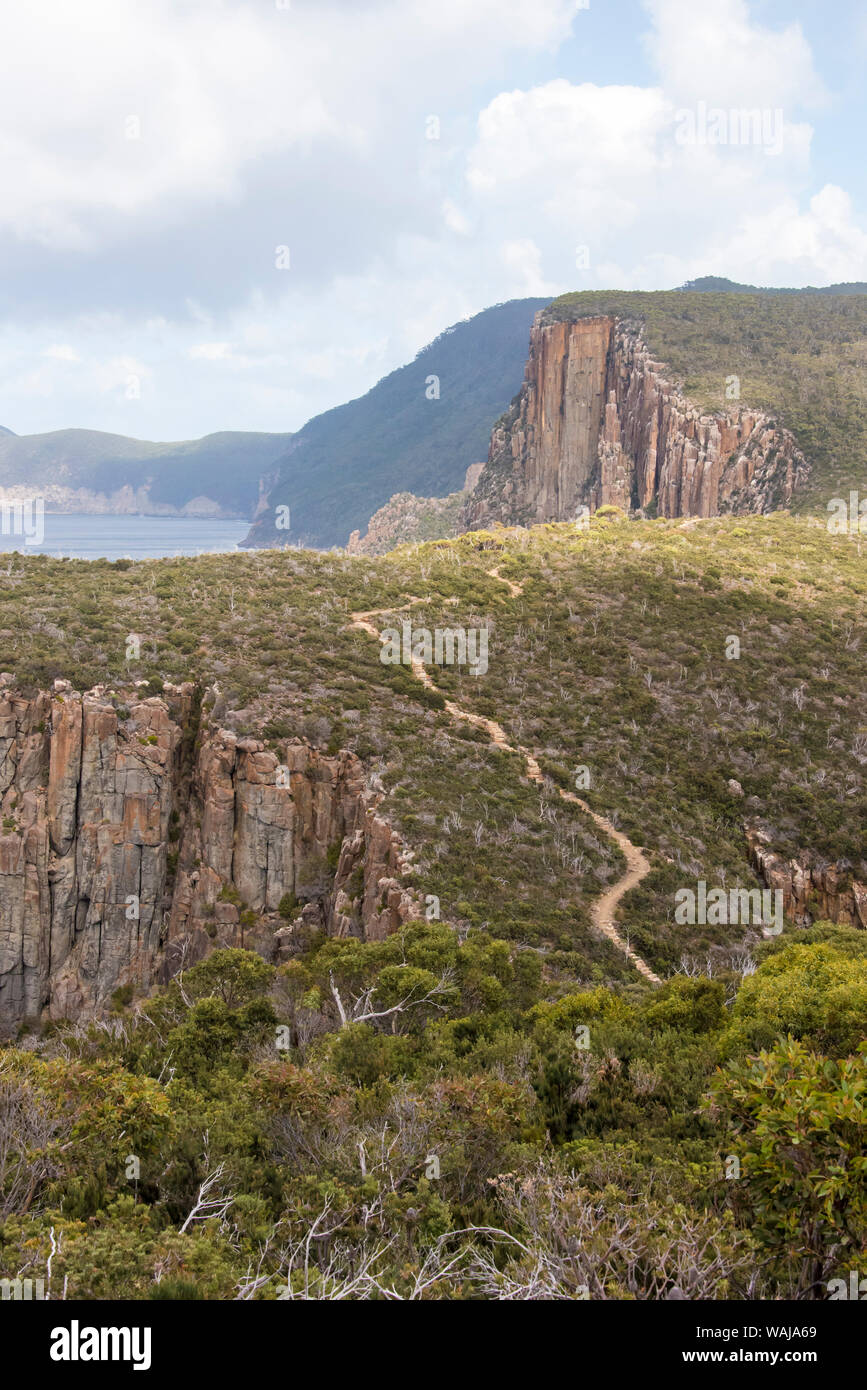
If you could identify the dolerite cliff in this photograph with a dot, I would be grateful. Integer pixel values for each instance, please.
(135, 839)
(598, 422)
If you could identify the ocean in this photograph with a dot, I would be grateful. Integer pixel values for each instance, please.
(135, 537)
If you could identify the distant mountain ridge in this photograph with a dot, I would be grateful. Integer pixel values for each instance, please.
(420, 428)
(718, 284)
(87, 470)
(413, 436)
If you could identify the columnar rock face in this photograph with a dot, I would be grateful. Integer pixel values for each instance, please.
(305, 829)
(566, 383)
(86, 801)
(813, 889)
(598, 422)
(120, 860)
(543, 457)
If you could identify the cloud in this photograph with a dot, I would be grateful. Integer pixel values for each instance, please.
(524, 260)
(568, 167)
(454, 219)
(581, 157)
(153, 157)
(638, 182)
(717, 53)
(211, 352)
(112, 109)
(819, 245)
(62, 352)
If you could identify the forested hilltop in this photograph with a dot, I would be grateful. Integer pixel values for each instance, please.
(405, 962)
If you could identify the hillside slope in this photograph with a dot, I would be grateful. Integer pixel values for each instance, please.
(400, 436)
(613, 655)
(436, 988)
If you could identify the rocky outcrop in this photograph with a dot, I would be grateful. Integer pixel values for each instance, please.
(304, 830)
(599, 422)
(86, 801)
(406, 519)
(543, 455)
(813, 888)
(130, 846)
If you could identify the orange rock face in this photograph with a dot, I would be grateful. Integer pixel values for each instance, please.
(82, 874)
(303, 829)
(91, 897)
(598, 422)
(812, 889)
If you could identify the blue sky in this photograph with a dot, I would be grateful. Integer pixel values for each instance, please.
(154, 158)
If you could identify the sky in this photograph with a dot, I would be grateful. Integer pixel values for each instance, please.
(220, 214)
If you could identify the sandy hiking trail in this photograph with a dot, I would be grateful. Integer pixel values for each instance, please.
(637, 867)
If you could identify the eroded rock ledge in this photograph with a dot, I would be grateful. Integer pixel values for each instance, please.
(598, 422)
(134, 841)
(408, 519)
(813, 888)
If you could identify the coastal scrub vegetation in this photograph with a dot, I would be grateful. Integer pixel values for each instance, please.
(538, 1121)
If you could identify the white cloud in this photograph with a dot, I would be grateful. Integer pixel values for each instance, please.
(716, 52)
(578, 157)
(111, 108)
(566, 166)
(211, 352)
(524, 259)
(307, 126)
(527, 135)
(454, 219)
(62, 352)
(821, 245)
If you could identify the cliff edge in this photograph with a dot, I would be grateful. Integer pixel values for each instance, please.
(598, 421)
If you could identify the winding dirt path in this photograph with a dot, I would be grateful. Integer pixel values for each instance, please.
(637, 867)
(514, 589)
(604, 908)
